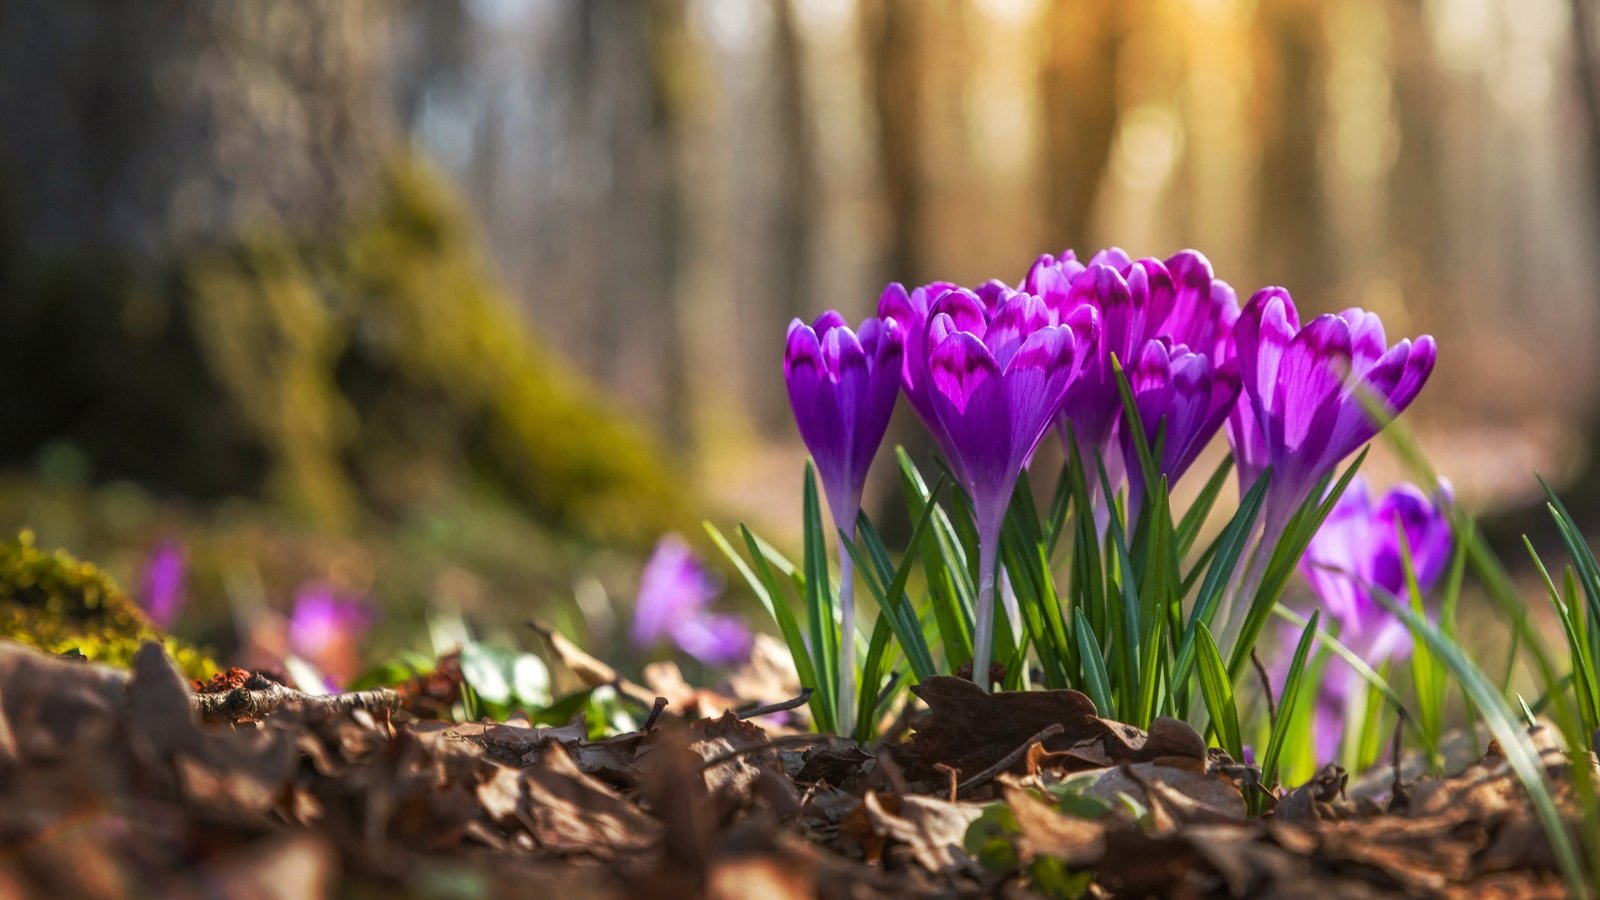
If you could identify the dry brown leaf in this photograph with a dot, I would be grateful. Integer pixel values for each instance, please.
(1046, 831)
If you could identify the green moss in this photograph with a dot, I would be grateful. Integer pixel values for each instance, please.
(60, 604)
(388, 364)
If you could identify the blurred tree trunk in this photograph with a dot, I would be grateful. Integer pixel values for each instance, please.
(1292, 234)
(1078, 90)
(224, 273)
(1586, 69)
(892, 44)
(794, 209)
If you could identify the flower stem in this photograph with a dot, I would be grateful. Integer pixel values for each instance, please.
(1237, 606)
(847, 641)
(983, 639)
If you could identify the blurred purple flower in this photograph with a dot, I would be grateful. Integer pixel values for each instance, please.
(1188, 393)
(323, 623)
(164, 575)
(998, 374)
(675, 591)
(1307, 390)
(842, 389)
(1356, 555)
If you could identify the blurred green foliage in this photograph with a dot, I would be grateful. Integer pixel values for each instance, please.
(61, 604)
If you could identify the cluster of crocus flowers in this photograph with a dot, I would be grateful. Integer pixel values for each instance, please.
(675, 596)
(989, 370)
(1355, 557)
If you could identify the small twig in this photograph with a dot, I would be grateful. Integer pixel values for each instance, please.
(655, 713)
(891, 772)
(1398, 798)
(950, 773)
(784, 741)
(768, 709)
(1011, 758)
(258, 703)
(1266, 688)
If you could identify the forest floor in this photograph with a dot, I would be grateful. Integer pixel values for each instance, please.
(137, 783)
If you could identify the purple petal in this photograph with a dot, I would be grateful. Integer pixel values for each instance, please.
(959, 364)
(1311, 378)
(164, 583)
(674, 587)
(716, 640)
(321, 619)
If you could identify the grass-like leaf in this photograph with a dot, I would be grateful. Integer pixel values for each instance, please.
(1218, 693)
(1288, 704)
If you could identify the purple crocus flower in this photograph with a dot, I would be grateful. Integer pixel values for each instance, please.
(998, 375)
(321, 619)
(1355, 557)
(325, 629)
(1188, 393)
(842, 389)
(912, 310)
(675, 591)
(164, 574)
(1133, 299)
(1307, 390)
(1204, 308)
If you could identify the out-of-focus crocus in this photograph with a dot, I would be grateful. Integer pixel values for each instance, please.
(998, 376)
(1308, 393)
(1190, 396)
(326, 629)
(675, 592)
(842, 388)
(1356, 556)
(164, 575)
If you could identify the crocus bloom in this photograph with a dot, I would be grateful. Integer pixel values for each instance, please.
(325, 628)
(1189, 395)
(163, 583)
(998, 376)
(1307, 393)
(1355, 556)
(1133, 299)
(675, 592)
(911, 309)
(842, 389)
(1204, 308)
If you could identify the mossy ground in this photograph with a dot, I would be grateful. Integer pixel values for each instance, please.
(61, 604)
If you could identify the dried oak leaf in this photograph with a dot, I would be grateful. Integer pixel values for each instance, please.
(51, 707)
(970, 729)
(931, 828)
(1046, 831)
(564, 810)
